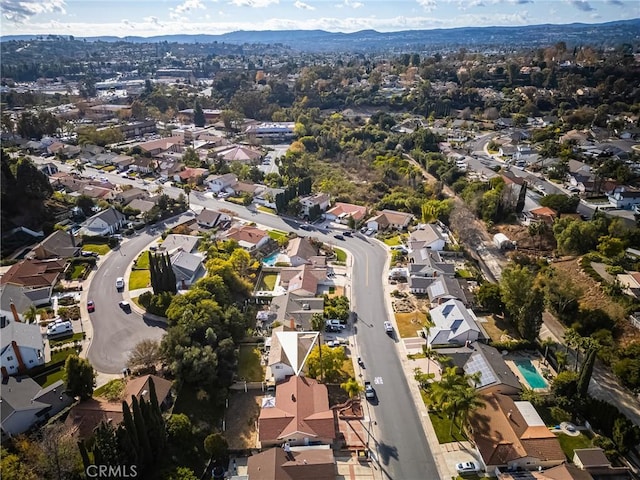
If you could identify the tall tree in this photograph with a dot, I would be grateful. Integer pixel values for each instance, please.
(586, 372)
(352, 387)
(79, 376)
(198, 115)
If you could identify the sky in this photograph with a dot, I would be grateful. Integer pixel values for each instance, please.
(145, 18)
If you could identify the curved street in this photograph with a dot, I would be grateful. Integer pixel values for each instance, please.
(397, 437)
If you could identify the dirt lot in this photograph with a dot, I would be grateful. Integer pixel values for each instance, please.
(241, 418)
(519, 233)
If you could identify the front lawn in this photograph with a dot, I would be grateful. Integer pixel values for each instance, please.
(341, 255)
(410, 323)
(442, 425)
(99, 248)
(142, 262)
(393, 241)
(278, 235)
(569, 443)
(77, 271)
(139, 279)
(111, 391)
(249, 367)
(268, 281)
(51, 378)
(76, 337)
(264, 209)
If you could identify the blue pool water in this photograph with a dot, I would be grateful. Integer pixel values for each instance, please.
(271, 259)
(530, 373)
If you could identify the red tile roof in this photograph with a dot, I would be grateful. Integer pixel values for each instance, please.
(34, 273)
(275, 464)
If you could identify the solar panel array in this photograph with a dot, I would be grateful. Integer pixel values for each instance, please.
(477, 363)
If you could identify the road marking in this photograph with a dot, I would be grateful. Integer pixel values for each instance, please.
(377, 380)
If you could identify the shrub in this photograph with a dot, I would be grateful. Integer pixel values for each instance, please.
(145, 299)
(513, 345)
(560, 414)
(159, 304)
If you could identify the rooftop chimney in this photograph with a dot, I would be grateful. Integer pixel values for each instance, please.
(14, 310)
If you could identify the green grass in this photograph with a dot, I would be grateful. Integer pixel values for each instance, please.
(268, 281)
(78, 271)
(62, 355)
(278, 235)
(397, 240)
(75, 337)
(249, 366)
(142, 262)
(264, 209)
(442, 425)
(462, 273)
(341, 255)
(51, 378)
(139, 279)
(569, 443)
(99, 248)
(111, 390)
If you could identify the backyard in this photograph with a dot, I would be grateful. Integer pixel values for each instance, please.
(569, 443)
(498, 328)
(241, 418)
(268, 281)
(249, 367)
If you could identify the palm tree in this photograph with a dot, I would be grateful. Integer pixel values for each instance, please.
(78, 167)
(187, 193)
(573, 340)
(352, 387)
(30, 314)
(456, 395)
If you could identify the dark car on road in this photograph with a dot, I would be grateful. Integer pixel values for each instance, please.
(338, 236)
(125, 306)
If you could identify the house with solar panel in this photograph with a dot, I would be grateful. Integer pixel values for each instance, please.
(453, 324)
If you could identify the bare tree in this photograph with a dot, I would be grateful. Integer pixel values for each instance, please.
(145, 355)
(58, 457)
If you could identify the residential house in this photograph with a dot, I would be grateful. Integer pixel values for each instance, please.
(97, 192)
(252, 189)
(211, 218)
(67, 182)
(300, 250)
(453, 324)
(22, 346)
(544, 214)
(293, 464)
(187, 267)
(123, 162)
(25, 404)
(143, 165)
(271, 130)
(249, 238)
(238, 153)
(140, 387)
(60, 244)
(427, 236)
(48, 168)
(14, 301)
(221, 183)
(495, 376)
(580, 176)
(106, 222)
(446, 288)
(511, 435)
(341, 212)
(288, 353)
(507, 150)
(630, 281)
(295, 310)
(190, 175)
(424, 266)
(125, 197)
(143, 206)
(624, 197)
(186, 243)
(389, 219)
(299, 415)
(267, 197)
(513, 186)
(36, 278)
(162, 145)
(321, 200)
(304, 279)
(564, 471)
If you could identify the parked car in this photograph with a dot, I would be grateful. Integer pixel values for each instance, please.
(119, 284)
(331, 329)
(125, 306)
(91, 307)
(388, 327)
(335, 323)
(59, 327)
(369, 391)
(84, 253)
(308, 228)
(467, 467)
(347, 234)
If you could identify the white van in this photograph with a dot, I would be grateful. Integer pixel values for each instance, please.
(59, 328)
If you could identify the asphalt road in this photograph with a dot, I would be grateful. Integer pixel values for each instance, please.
(115, 332)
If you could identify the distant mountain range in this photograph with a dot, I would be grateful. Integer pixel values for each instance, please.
(603, 34)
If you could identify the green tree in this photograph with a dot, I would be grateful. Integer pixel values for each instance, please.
(610, 247)
(523, 301)
(15, 468)
(562, 294)
(564, 389)
(586, 372)
(191, 159)
(79, 377)
(560, 203)
(625, 434)
(352, 387)
(86, 204)
(216, 446)
(317, 322)
(179, 427)
(30, 315)
(490, 298)
(456, 395)
(326, 361)
(198, 115)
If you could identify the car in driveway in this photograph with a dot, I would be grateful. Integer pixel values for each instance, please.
(335, 323)
(467, 468)
(125, 306)
(86, 253)
(91, 307)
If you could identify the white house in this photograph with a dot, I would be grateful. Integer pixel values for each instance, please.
(625, 198)
(288, 353)
(22, 346)
(427, 236)
(25, 404)
(187, 268)
(320, 199)
(220, 183)
(453, 324)
(106, 222)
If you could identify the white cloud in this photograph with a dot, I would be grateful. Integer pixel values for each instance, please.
(303, 6)
(253, 3)
(21, 10)
(188, 6)
(353, 3)
(428, 5)
(582, 5)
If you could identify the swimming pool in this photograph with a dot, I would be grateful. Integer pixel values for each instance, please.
(271, 260)
(530, 373)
